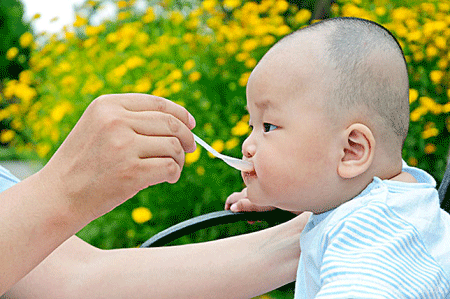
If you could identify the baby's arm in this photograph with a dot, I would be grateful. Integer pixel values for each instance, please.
(239, 202)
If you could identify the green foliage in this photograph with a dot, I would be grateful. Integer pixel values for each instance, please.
(11, 29)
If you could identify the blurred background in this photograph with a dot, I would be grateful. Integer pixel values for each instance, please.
(55, 59)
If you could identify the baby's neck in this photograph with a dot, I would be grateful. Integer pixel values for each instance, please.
(404, 177)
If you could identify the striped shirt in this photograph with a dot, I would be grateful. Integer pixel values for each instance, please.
(391, 241)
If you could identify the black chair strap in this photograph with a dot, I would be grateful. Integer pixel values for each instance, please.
(212, 219)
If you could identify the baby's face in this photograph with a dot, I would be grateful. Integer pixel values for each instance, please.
(291, 137)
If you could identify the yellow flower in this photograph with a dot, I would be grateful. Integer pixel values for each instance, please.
(302, 16)
(444, 7)
(25, 93)
(268, 40)
(244, 78)
(250, 63)
(430, 148)
(122, 4)
(433, 132)
(431, 51)
(400, 14)
(281, 6)
(231, 47)
(232, 143)
(141, 215)
(443, 63)
(249, 44)
(414, 36)
(143, 85)
(195, 76)
(189, 65)
(413, 95)
(418, 113)
(218, 145)
(380, 11)
(94, 30)
(68, 81)
(176, 17)
(90, 42)
(175, 75)
(418, 56)
(242, 56)
(60, 110)
(440, 42)
(240, 129)
(123, 15)
(428, 7)
(26, 39)
(26, 77)
(12, 53)
(6, 136)
(149, 16)
(134, 62)
(79, 21)
(412, 161)
(436, 76)
(193, 157)
(231, 4)
(176, 87)
(283, 30)
(430, 105)
(42, 149)
(209, 4)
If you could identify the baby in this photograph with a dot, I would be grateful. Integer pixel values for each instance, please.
(329, 112)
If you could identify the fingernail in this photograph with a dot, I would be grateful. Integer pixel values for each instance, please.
(191, 121)
(234, 208)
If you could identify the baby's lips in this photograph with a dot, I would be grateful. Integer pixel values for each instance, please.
(248, 166)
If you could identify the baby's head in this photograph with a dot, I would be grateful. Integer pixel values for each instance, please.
(329, 109)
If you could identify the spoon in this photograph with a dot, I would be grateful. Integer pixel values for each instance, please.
(233, 162)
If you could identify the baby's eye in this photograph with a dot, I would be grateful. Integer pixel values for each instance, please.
(269, 127)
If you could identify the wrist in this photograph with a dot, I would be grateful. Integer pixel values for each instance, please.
(61, 208)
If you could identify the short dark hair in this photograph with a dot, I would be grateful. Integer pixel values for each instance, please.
(370, 72)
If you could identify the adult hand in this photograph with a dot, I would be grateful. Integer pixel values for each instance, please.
(122, 144)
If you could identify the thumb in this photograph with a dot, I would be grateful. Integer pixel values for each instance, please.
(246, 205)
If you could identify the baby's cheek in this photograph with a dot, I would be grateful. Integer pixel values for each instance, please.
(274, 179)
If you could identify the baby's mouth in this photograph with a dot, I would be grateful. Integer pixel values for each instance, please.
(247, 175)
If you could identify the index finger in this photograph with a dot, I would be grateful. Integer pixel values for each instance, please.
(145, 102)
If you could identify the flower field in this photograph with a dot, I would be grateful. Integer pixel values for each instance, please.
(201, 56)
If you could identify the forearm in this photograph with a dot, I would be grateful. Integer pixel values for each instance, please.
(32, 225)
(238, 267)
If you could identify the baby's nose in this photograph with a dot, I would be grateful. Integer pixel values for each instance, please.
(248, 148)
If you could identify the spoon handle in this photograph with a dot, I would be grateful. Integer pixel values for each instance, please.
(207, 146)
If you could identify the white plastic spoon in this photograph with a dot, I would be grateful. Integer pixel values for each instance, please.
(233, 162)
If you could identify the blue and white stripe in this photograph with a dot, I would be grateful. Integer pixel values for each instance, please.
(376, 254)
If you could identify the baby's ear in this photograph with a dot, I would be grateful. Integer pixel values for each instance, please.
(357, 152)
